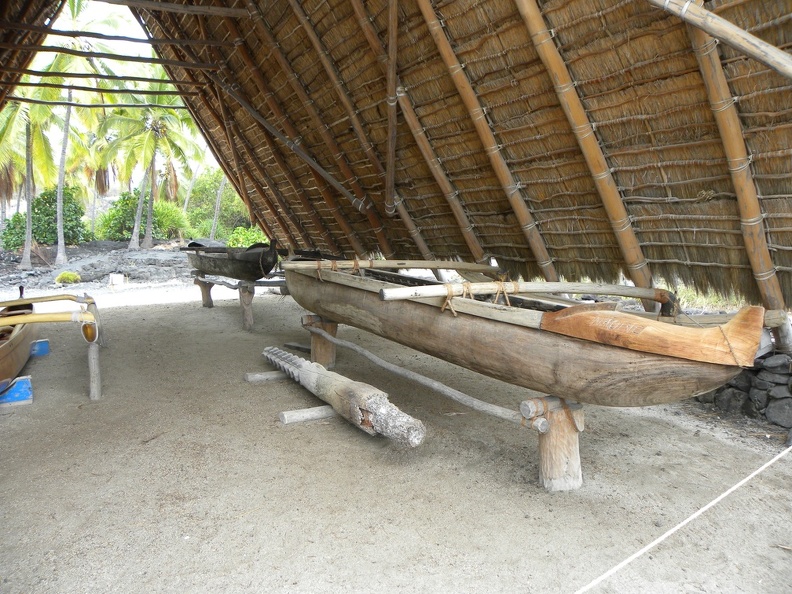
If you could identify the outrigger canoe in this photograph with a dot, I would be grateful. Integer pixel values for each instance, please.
(593, 354)
(15, 344)
(18, 329)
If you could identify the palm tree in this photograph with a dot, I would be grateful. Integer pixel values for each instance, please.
(156, 132)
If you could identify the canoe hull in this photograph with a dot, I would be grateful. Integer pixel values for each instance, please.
(15, 352)
(566, 367)
(237, 264)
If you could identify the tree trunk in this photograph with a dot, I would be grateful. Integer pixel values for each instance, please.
(190, 188)
(25, 264)
(134, 242)
(218, 199)
(61, 258)
(148, 237)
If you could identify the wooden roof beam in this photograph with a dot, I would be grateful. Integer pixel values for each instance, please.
(491, 147)
(103, 37)
(728, 33)
(346, 101)
(319, 174)
(433, 162)
(338, 156)
(632, 254)
(307, 206)
(192, 8)
(219, 121)
(739, 160)
(53, 74)
(390, 161)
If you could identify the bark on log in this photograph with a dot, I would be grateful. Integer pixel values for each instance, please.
(361, 404)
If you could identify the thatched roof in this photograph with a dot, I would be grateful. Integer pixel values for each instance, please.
(564, 138)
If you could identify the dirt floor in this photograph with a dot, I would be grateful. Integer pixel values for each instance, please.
(182, 479)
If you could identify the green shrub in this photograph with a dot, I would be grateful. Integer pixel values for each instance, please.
(43, 214)
(68, 278)
(246, 236)
(170, 220)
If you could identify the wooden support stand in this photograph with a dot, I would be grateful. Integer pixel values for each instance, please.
(323, 351)
(246, 293)
(206, 291)
(559, 446)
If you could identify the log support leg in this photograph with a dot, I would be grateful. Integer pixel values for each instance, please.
(206, 291)
(559, 445)
(246, 293)
(94, 373)
(323, 351)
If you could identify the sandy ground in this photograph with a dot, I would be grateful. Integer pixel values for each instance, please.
(182, 479)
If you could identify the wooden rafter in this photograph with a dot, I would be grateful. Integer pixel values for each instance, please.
(291, 133)
(346, 102)
(103, 37)
(101, 89)
(730, 127)
(185, 53)
(491, 147)
(338, 156)
(354, 119)
(729, 33)
(103, 56)
(393, 46)
(257, 164)
(67, 75)
(192, 8)
(430, 157)
(541, 37)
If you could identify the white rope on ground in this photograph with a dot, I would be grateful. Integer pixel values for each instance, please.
(682, 524)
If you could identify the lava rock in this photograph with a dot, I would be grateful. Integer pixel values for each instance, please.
(775, 378)
(742, 381)
(780, 412)
(780, 392)
(762, 384)
(730, 400)
(758, 397)
(777, 364)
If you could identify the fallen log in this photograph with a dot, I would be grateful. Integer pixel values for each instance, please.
(361, 404)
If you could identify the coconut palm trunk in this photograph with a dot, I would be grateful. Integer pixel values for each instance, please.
(60, 257)
(26, 264)
(148, 238)
(134, 242)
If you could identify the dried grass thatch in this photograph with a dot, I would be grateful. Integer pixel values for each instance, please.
(297, 113)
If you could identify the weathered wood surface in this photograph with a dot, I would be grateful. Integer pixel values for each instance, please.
(508, 287)
(554, 364)
(388, 265)
(734, 343)
(361, 404)
(14, 351)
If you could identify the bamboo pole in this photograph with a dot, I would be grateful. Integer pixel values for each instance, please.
(104, 56)
(368, 207)
(739, 161)
(514, 287)
(491, 147)
(390, 161)
(389, 264)
(430, 157)
(728, 33)
(92, 35)
(354, 119)
(157, 6)
(729, 125)
(637, 266)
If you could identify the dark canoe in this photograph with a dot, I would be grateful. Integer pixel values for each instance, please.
(563, 366)
(237, 263)
(15, 344)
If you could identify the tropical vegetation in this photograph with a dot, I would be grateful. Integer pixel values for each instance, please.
(81, 132)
